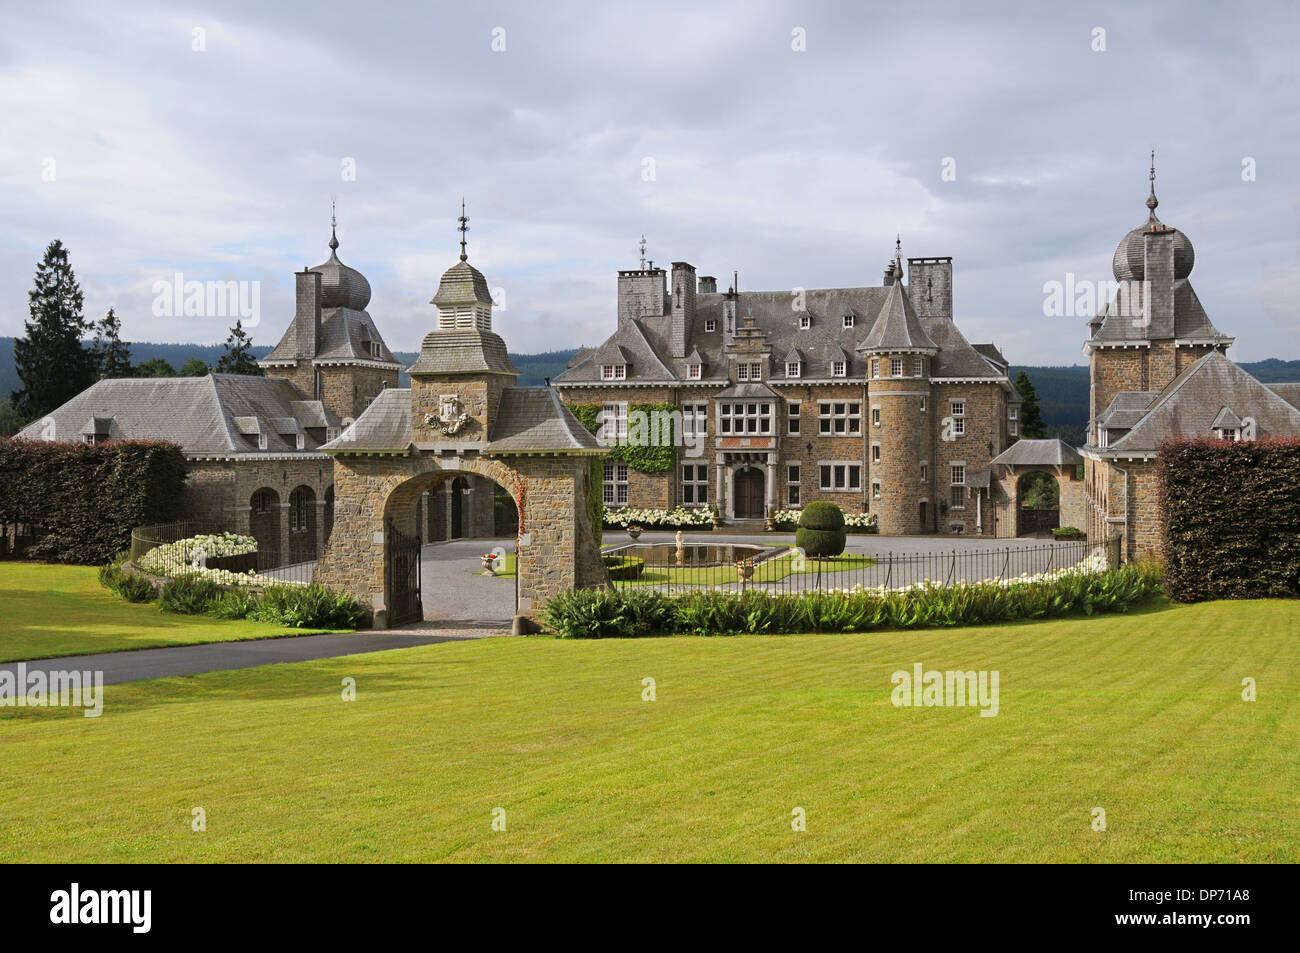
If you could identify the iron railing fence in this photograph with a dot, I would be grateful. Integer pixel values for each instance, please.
(780, 572)
(267, 561)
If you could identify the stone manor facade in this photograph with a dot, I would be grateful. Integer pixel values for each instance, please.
(868, 396)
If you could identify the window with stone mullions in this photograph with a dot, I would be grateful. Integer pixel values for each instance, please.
(695, 484)
(614, 485)
(839, 418)
(745, 418)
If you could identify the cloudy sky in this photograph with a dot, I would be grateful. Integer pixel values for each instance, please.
(209, 140)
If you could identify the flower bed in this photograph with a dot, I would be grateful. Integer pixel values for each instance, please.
(788, 520)
(678, 518)
(1087, 588)
(228, 560)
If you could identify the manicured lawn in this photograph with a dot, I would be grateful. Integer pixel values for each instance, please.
(1138, 714)
(62, 610)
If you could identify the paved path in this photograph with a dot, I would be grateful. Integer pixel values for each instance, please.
(140, 664)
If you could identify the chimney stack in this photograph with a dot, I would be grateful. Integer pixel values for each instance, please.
(306, 318)
(683, 302)
(708, 285)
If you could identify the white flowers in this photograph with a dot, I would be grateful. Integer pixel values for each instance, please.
(190, 555)
(680, 516)
(856, 520)
(1089, 566)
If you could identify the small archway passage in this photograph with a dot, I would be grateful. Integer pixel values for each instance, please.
(377, 514)
(459, 508)
(1038, 503)
(750, 488)
(264, 526)
(302, 524)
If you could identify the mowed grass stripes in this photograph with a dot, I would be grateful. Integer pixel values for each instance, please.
(1141, 715)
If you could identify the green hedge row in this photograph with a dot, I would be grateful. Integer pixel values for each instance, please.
(84, 499)
(623, 613)
(1230, 518)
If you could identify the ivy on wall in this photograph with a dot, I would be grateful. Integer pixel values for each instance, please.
(660, 458)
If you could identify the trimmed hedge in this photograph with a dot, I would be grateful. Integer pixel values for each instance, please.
(623, 613)
(1230, 519)
(821, 530)
(1069, 532)
(84, 499)
(624, 567)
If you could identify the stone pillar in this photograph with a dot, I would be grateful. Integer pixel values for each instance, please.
(283, 514)
(771, 483)
(320, 527)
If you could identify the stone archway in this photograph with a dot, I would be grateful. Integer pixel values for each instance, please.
(378, 494)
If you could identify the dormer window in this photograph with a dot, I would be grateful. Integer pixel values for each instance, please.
(839, 368)
(805, 322)
(613, 372)
(301, 443)
(848, 320)
(1228, 433)
(261, 441)
(792, 369)
(710, 324)
(749, 372)
(694, 371)
(374, 349)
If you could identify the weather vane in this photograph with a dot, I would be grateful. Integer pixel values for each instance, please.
(464, 227)
(643, 253)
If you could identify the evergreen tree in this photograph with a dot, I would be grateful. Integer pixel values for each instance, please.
(238, 358)
(111, 357)
(154, 367)
(1031, 418)
(51, 361)
(195, 367)
(10, 420)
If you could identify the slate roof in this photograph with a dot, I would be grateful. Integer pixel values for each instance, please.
(1190, 404)
(1288, 392)
(1023, 453)
(383, 426)
(1111, 327)
(343, 337)
(460, 351)
(462, 283)
(535, 419)
(528, 420)
(1126, 408)
(221, 414)
(645, 339)
(897, 326)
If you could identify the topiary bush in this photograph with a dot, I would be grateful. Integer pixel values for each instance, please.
(821, 530)
(624, 567)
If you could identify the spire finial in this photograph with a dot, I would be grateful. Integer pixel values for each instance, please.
(643, 252)
(1152, 201)
(464, 227)
(898, 247)
(334, 238)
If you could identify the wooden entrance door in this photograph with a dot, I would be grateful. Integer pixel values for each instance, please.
(749, 494)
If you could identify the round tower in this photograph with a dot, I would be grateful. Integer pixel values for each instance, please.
(899, 429)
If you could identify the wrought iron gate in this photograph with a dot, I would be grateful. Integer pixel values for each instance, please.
(402, 576)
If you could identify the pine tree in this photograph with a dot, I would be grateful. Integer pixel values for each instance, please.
(111, 357)
(238, 358)
(154, 367)
(51, 361)
(1031, 418)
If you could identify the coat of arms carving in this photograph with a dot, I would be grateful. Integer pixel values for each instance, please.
(450, 418)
